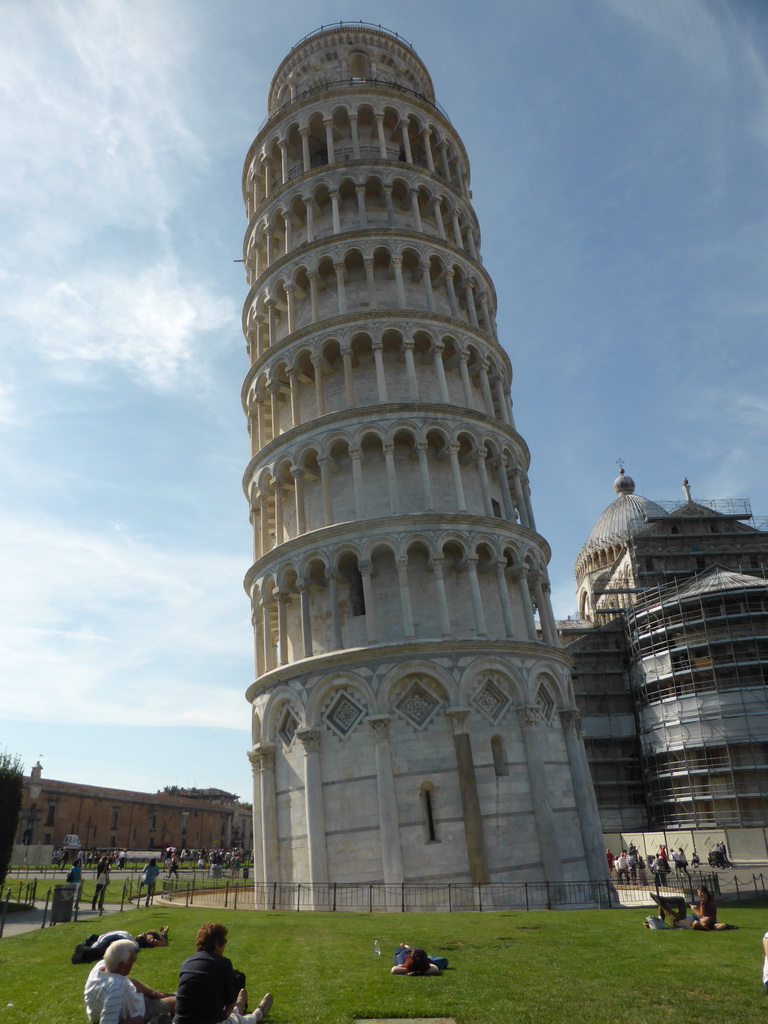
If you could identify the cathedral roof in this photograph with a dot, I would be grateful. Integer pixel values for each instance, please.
(717, 579)
(623, 517)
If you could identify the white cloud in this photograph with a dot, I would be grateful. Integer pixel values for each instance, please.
(148, 325)
(103, 627)
(93, 126)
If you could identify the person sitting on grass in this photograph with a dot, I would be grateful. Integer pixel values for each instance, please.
(413, 961)
(95, 946)
(209, 992)
(111, 997)
(706, 909)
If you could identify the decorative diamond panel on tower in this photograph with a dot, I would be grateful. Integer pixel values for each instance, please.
(343, 714)
(286, 730)
(546, 703)
(417, 705)
(491, 700)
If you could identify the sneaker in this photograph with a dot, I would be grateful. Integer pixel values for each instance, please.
(265, 1004)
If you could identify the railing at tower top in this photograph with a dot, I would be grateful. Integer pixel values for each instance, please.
(352, 24)
(354, 83)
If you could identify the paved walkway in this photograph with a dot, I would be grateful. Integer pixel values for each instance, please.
(29, 920)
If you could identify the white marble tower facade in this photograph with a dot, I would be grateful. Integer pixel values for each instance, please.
(407, 724)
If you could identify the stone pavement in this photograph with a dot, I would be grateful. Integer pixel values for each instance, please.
(29, 920)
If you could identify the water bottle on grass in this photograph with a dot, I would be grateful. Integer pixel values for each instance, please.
(376, 949)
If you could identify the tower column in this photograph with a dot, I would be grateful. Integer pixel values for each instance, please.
(405, 598)
(357, 473)
(258, 842)
(366, 570)
(480, 456)
(485, 388)
(477, 601)
(298, 489)
(389, 459)
(506, 494)
(381, 380)
(522, 582)
(306, 620)
(397, 265)
(506, 606)
(458, 488)
(362, 213)
(282, 627)
(522, 508)
(406, 141)
(355, 136)
(325, 483)
(584, 792)
(265, 753)
(293, 385)
(442, 383)
(410, 369)
(314, 807)
(465, 381)
(264, 522)
(334, 194)
(370, 281)
(270, 659)
(349, 380)
(440, 595)
(333, 586)
(341, 287)
(389, 823)
(317, 363)
(313, 277)
(415, 211)
(453, 304)
(278, 492)
(426, 486)
(328, 122)
(546, 628)
(531, 728)
(380, 133)
(470, 799)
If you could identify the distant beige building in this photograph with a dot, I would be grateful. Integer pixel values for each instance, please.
(118, 818)
(408, 724)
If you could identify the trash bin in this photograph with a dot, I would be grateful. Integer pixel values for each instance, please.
(245, 872)
(63, 902)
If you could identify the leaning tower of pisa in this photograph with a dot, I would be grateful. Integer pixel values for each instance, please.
(409, 722)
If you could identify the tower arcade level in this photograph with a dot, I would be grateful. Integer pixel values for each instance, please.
(407, 723)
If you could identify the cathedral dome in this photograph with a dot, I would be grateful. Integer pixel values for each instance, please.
(623, 517)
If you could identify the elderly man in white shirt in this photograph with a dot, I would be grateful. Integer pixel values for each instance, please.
(111, 997)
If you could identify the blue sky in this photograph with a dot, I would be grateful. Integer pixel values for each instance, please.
(619, 153)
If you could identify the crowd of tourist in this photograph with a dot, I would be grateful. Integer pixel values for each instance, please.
(629, 866)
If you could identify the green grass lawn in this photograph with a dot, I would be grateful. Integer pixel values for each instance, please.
(571, 967)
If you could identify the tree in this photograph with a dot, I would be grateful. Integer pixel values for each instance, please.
(11, 781)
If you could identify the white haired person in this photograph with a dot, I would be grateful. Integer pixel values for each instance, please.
(111, 997)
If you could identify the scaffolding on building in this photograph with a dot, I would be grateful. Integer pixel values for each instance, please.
(699, 675)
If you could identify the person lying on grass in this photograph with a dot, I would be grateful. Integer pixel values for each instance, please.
(95, 946)
(413, 961)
